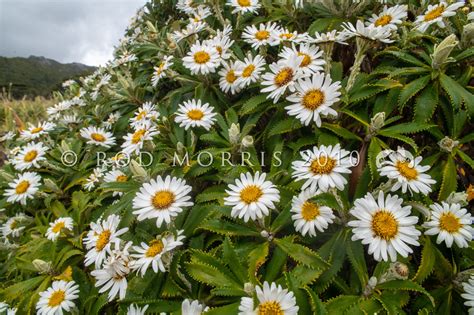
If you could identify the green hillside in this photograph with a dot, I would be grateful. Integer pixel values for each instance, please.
(37, 76)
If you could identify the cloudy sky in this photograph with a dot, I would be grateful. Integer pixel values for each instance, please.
(65, 30)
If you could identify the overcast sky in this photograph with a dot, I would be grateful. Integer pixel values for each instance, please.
(65, 30)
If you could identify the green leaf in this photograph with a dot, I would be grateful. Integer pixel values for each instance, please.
(405, 285)
(405, 128)
(210, 275)
(404, 56)
(342, 303)
(302, 254)
(341, 131)
(16, 290)
(355, 253)
(256, 259)
(427, 263)
(284, 126)
(457, 93)
(317, 305)
(410, 89)
(425, 104)
(465, 158)
(252, 103)
(232, 260)
(449, 182)
(373, 152)
(228, 228)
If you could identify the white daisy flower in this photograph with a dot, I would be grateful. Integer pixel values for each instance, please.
(30, 156)
(34, 132)
(228, 78)
(193, 307)
(200, 13)
(202, 59)
(323, 167)
(251, 197)
(55, 111)
(385, 226)
(284, 35)
(186, 6)
(7, 136)
(159, 71)
(162, 199)
(99, 239)
(389, 17)
(113, 275)
(451, 223)
(58, 298)
(272, 299)
(134, 141)
(111, 120)
(468, 294)
(308, 215)
(23, 188)
(156, 253)
(194, 114)
(12, 227)
(244, 6)
(311, 54)
(436, 13)
(115, 176)
(407, 172)
(370, 32)
(265, 34)
(146, 113)
(98, 136)
(134, 309)
(330, 37)
(59, 225)
(283, 75)
(191, 29)
(221, 44)
(68, 83)
(314, 97)
(70, 119)
(6, 309)
(249, 70)
(93, 178)
(470, 16)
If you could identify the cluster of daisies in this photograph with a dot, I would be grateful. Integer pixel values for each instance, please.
(286, 66)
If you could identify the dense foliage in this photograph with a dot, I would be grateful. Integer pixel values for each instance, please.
(263, 157)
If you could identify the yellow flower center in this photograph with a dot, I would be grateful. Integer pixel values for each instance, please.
(103, 240)
(13, 225)
(97, 137)
(160, 68)
(313, 99)
(383, 20)
(195, 114)
(56, 298)
(121, 178)
(156, 247)
(248, 71)
(262, 35)
(406, 171)
(322, 165)
(30, 156)
(137, 136)
(230, 76)
(435, 13)
(470, 192)
(449, 222)
(309, 211)
(219, 50)
(162, 199)
(22, 187)
(284, 76)
(141, 115)
(201, 57)
(36, 130)
(286, 36)
(306, 59)
(244, 3)
(384, 225)
(251, 194)
(58, 226)
(270, 308)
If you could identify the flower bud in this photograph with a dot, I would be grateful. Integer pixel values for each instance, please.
(442, 51)
(137, 170)
(42, 266)
(447, 144)
(51, 185)
(247, 141)
(377, 122)
(401, 270)
(234, 133)
(249, 288)
(467, 36)
(458, 197)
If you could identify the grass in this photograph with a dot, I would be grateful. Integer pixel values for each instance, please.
(17, 113)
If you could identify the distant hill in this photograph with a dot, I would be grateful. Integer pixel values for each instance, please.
(37, 76)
